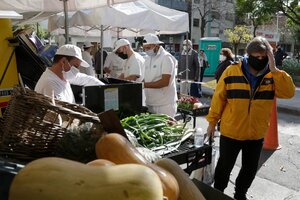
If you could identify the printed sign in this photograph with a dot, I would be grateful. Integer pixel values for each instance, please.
(111, 99)
(211, 47)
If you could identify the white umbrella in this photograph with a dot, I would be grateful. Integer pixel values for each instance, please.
(54, 6)
(140, 15)
(143, 16)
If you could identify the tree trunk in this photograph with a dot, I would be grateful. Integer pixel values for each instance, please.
(235, 51)
(202, 27)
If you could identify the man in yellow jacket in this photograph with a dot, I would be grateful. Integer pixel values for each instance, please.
(243, 101)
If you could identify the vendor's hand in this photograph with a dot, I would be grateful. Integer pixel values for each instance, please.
(272, 65)
(211, 131)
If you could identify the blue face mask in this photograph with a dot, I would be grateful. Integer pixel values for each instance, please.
(150, 52)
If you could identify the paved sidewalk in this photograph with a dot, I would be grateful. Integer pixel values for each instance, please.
(278, 174)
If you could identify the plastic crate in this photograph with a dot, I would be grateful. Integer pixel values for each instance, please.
(194, 113)
(209, 192)
(8, 170)
(119, 95)
(193, 157)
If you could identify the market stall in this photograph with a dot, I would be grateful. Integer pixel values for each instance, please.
(35, 127)
(47, 127)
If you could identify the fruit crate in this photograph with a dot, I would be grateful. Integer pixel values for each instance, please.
(193, 157)
(8, 170)
(119, 95)
(202, 111)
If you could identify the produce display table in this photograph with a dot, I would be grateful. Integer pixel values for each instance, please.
(209, 192)
(193, 157)
(194, 113)
(8, 170)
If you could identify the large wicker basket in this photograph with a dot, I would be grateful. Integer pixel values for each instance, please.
(33, 124)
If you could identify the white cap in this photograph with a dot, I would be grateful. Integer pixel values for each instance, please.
(119, 43)
(151, 38)
(87, 44)
(72, 50)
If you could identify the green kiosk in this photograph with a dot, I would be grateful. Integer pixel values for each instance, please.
(212, 47)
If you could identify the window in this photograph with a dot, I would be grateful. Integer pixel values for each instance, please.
(197, 1)
(196, 22)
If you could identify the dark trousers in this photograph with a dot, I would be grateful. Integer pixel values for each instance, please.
(229, 150)
(195, 91)
(202, 69)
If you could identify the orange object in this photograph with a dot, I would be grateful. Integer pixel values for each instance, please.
(271, 138)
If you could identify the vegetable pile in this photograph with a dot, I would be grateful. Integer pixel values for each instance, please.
(187, 102)
(153, 130)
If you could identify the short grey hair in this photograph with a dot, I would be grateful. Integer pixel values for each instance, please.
(258, 45)
(188, 43)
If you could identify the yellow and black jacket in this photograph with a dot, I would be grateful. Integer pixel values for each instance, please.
(245, 115)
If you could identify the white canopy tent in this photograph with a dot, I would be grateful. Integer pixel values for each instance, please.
(21, 6)
(141, 16)
(41, 9)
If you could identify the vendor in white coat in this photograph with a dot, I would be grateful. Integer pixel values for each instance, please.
(56, 80)
(159, 82)
(113, 65)
(134, 64)
(86, 56)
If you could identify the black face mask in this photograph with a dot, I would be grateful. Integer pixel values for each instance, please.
(258, 64)
(122, 55)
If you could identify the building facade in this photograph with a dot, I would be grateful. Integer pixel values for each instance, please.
(208, 18)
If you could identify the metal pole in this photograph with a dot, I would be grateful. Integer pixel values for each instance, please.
(277, 29)
(186, 59)
(66, 21)
(209, 19)
(101, 73)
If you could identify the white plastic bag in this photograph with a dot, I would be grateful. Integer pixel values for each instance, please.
(209, 170)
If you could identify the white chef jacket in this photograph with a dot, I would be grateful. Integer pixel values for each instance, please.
(87, 70)
(135, 65)
(155, 67)
(115, 64)
(50, 84)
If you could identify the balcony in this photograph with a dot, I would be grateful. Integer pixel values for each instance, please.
(174, 4)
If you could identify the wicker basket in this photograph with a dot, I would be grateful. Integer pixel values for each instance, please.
(33, 124)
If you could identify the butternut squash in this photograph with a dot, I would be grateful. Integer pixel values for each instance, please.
(188, 190)
(100, 162)
(118, 149)
(61, 179)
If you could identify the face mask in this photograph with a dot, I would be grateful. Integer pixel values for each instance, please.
(258, 64)
(150, 52)
(222, 58)
(184, 48)
(71, 73)
(122, 55)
